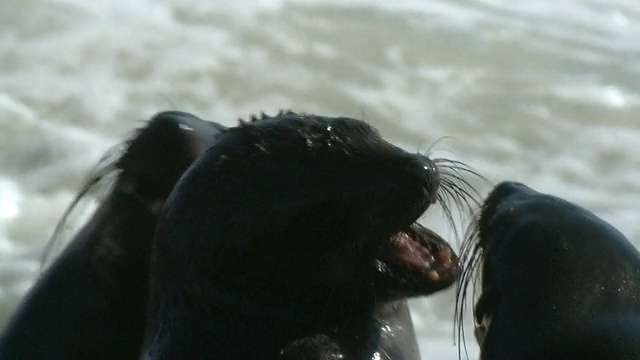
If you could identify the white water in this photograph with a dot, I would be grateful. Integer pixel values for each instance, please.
(544, 93)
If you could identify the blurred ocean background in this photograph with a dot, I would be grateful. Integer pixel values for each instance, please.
(547, 93)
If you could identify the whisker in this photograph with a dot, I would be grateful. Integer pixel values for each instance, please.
(101, 178)
(431, 147)
(459, 167)
(471, 256)
(464, 198)
(442, 200)
(458, 191)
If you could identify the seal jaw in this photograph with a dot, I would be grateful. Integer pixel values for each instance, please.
(339, 239)
(417, 261)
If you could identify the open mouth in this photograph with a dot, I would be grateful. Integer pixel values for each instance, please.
(418, 259)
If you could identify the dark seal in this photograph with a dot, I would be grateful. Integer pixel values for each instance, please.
(90, 303)
(557, 282)
(286, 238)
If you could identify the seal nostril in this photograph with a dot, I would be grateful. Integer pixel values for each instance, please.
(427, 170)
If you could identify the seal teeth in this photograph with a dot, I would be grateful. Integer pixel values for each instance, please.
(432, 275)
(445, 255)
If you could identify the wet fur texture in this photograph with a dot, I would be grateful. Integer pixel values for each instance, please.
(270, 244)
(90, 302)
(553, 279)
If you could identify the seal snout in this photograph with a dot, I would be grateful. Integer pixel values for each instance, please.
(505, 193)
(427, 170)
(502, 201)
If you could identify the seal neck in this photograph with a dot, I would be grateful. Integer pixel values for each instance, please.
(249, 306)
(229, 324)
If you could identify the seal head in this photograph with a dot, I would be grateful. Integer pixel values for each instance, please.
(90, 302)
(297, 225)
(556, 280)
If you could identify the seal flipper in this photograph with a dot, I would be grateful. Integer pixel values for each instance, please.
(397, 338)
(91, 300)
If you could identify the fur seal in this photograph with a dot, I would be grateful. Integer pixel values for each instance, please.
(90, 303)
(557, 282)
(286, 238)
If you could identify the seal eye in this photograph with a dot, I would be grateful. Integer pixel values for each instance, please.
(483, 316)
(480, 330)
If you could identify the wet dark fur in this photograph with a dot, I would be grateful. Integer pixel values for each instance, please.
(266, 246)
(557, 282)
(90, 303)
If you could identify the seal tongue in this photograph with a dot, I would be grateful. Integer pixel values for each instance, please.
(411, 252)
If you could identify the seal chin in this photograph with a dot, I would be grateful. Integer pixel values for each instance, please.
(416, 261)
